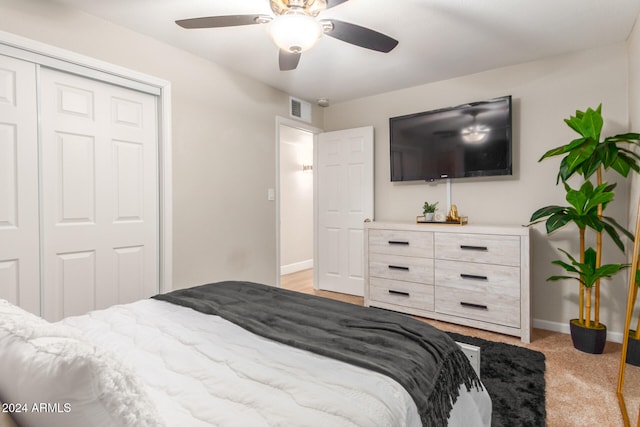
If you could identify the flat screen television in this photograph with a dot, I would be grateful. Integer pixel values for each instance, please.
(469, 140)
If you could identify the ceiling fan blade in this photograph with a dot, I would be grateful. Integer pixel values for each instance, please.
(288, 61)
(361, 36)
(218, 21)
(334, 3)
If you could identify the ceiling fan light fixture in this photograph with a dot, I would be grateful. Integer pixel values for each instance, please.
(475, 134)
(295, 32)
(310, 7)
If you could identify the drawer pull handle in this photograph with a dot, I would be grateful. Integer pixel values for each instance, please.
(473, 277)
(471, 305)
(404, 294)
(398, 267)
(474, 248)
(398, 242)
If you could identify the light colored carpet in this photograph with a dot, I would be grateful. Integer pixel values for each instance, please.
(580, 387)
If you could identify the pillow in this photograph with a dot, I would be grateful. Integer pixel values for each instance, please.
(55, 378)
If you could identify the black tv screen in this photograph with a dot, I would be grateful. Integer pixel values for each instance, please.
(469, 140)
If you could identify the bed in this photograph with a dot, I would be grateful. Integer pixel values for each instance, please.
(234, 354)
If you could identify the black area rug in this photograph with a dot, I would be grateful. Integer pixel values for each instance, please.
(514, 378)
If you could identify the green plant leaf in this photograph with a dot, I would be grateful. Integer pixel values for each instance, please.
(623, 164)
(566, 266)
(574, 122)
(563, 148)
(590, 257)
(576, 157)
(578, 199)
(610, 226)
(607, 153)
(586, 272)
(588, 123)
(587, 198)
(593, 222)
(599, 196)
(630, 137)
(546, 211)
(590, 166)
(593, 122)
(564, 173)
(617, 225)
(583, 153)
(630, 158)
(555, 152)
(556, 278)
(615, 237)
(573, 260)
(557, 221)
(629, 153)
(609, 270)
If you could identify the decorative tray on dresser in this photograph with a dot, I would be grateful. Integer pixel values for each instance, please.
(472, 275)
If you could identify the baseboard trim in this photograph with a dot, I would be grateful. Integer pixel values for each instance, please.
(296, 266)
(564, 328)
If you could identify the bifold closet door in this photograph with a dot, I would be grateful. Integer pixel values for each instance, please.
(99, 194)
(19, 239)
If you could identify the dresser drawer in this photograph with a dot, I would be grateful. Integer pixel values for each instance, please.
(485, 278)
(409, 269)
(401, 242)
(482, 248)
(404, 294)
(478, 305)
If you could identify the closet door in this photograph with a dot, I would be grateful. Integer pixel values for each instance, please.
(19, 247)
(100, 194)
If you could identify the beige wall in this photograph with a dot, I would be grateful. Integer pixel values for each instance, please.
(633, 47)
(296, 199)
(544, 93)
(223, 141)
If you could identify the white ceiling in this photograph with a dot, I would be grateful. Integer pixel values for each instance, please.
(439, 39)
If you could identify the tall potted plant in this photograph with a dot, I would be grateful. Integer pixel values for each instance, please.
(588, 156)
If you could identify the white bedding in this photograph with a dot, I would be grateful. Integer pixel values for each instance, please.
(201, 370)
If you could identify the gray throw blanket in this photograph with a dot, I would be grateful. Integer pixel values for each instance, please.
(424, 360)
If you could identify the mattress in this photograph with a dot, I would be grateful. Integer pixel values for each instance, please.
(202, 370)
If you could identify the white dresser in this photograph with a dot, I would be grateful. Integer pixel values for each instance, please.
(471, 275)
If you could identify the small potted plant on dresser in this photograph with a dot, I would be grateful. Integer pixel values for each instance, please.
(588, 156)
(429, 209)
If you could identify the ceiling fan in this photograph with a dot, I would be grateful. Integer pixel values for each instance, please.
(295, 28)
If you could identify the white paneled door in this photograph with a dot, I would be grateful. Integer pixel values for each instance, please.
(99, 194)
(19, 258)
(344, 175)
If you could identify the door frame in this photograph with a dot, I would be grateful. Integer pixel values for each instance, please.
(283, 121)
(61, 59)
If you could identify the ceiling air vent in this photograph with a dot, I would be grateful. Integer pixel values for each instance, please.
(300, 109)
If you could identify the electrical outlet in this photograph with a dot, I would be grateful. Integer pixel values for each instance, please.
(473, 354)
